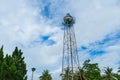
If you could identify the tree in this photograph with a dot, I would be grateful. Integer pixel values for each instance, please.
(88, 71)
(1, 55)
(108, 75)
(119, 70)
(80, 74)
(45, 75)
(67, 75)
(18, 61)
(8, 69)
(12, 67)
(1, 62)
(91, 71)
(118, 74)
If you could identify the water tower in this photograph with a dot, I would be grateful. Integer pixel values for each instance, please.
(70, 61)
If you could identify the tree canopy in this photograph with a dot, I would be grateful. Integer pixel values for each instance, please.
(12, 67)
(45, 75)
(91, 71)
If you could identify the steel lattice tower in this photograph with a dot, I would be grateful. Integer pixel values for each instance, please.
(70, 59)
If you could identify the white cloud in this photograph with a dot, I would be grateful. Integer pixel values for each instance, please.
(93, 24)
(111, 58)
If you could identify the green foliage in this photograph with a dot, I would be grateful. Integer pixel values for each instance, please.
(45, 75)
(91, 71)
(1, 62)
(20, 64)
(12, 67)
(87, 72)
(118, 74)
(119, 69)
(80, 75)
(109, 75)
(67, 74)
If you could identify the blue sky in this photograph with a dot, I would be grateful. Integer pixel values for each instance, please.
(35, 26)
